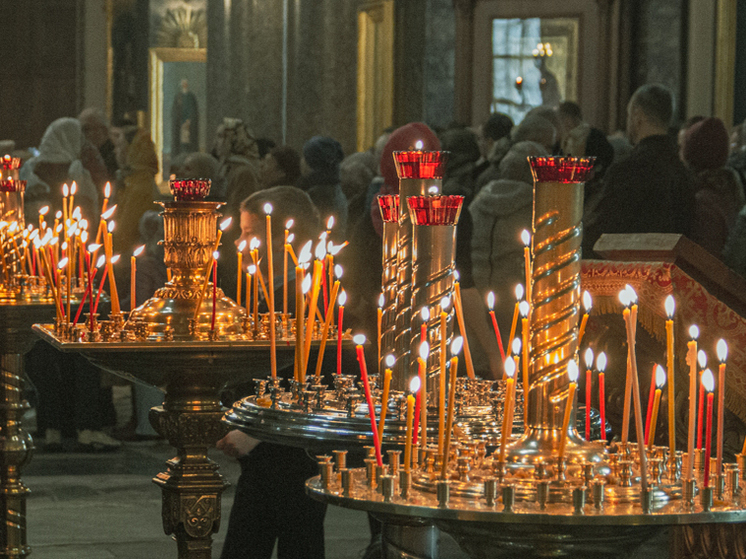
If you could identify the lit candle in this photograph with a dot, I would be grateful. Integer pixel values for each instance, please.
(651, 397)
(410, 419)
(271, 283)
(422, 362)
(313, 305)
(626, 300)
(327, 322)
(526, 239)
(459, 307)
(708, 381)
(303, 363)
(691, 359)
(390, 360)
(588, 385)
(42, 212)
(299, 319)
(496, 328)
(214, 289)
(340, 315)
(507, 426)
(456, 345)
(133, 274)
(525, 347)
(722, 353)
(425, 316)
(73, 190)
(286, 248)
(601, 366)
(587, 306)
(670, 306)
(359, 341)
(572, 373)
(65, 206)
(516, 310)
(379, 322)
(702, 359)
(239, 273)
(660, 380)
(110, 265)
(107, 195)
(103, 282)
(445, 302)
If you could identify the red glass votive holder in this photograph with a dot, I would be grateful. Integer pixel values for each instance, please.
(435, 210)
(389, 206)
(420, 164)
(8, 163)
(190, 190)
(561, 169)
(11, 185)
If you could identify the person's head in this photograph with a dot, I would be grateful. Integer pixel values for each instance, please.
(62, 141)
(570, 116)
(95, 125)
(264, 145)
(233, 137)
(280, 167)
(355, 173)
(705, 145)
(497, 126)
(199, 165)
(515, 166)
(150, 228)
(462, 144)
(535, 128)
(288, 202)
(649, 112)
(682, 132)
(322, 155)
(403, 139)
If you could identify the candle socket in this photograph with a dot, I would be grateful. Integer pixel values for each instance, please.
(646, 499)
(687, 489)
(732, 485)
(561, 469)
(387, 488)
(706, 499)
(394, 458)
(741, 462)
(588, 472)
(490, 491)
(625, 473)
(674, 466)
(598, 493)
(508, 492)
(405, 483)
(578, 501)
(720, 485)
(443, 491)
(699, 460)
(370, 472)
(347, 482)
(340, 459)
(542, 493)
(656, 470)
(326, 471)
(500, 470)
(540, 470)
(213, 335)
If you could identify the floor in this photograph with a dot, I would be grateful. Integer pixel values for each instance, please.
(104, 506)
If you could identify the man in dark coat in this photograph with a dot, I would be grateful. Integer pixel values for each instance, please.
(184, 121)
(650, 191)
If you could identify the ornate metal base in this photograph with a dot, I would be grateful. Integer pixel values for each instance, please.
(541, 444)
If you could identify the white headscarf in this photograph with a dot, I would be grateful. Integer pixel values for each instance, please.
(62, 143)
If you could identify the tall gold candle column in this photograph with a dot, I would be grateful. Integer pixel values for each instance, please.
(419, 172)
(434, 249)
(555, 307)
(389, 206)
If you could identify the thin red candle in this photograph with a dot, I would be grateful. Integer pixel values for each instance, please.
(368, 398)
(340, 314)
(602, 405)
(700, 413)
(651, 397)
(214, 292)
(100, 289)
(85, 295)
(497, 335)
(708, 436)
(417, 407)
(588, 404)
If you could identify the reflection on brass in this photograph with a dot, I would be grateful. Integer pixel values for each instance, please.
(389, 290)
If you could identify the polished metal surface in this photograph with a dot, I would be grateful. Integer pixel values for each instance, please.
(389, 290)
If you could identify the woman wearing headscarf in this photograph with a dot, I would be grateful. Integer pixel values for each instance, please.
(238, 154)
(65, 156)
(320, 179)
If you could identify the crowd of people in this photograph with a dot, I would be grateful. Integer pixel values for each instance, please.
(656, 179)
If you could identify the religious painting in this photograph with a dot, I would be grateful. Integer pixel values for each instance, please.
(178, 95)
(178, 23)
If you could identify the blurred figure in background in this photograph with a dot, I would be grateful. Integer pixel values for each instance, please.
(96, 130)
(320, 179)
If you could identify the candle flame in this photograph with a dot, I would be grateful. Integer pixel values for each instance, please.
(106, 215)
(516, 346)
(587, 302)
(13, 227)
(660, 376)
(334, 249)
(320, 251)
(424, 350)
(111, 226)
(670, 306)
(65, 190)
(62, 263)
(523, 309)
(93, 247)
(215, 255)
(359, 339)
(381, 300)
(491, 300)
(414, 384)
(338, 271)
(708, 380)
(330, 222)
(624, 298)
(632, 293)
(722, 350)
(445, 302)
(425, 314)
(432, 190)
(390, 360)
(525, 237)
(252, 270)
(509, 367)
(84, 237)
(694, 332)
(306, 285)
(138, 251)
(58, 215)
(291, 238)
(456, 345)
(74, 188)
(100, 261)
(418, 145)
(342, 299)
(588, 358)
(456, 275)
(519, 292)
(289, 223)
(254, 243)
(44, 210)
(572, 370)
(107, 190)
(226, 223)
(242, 245)
(601, 362)
(268, 208)
(115, 259)
(702, 359)
(64, 245)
